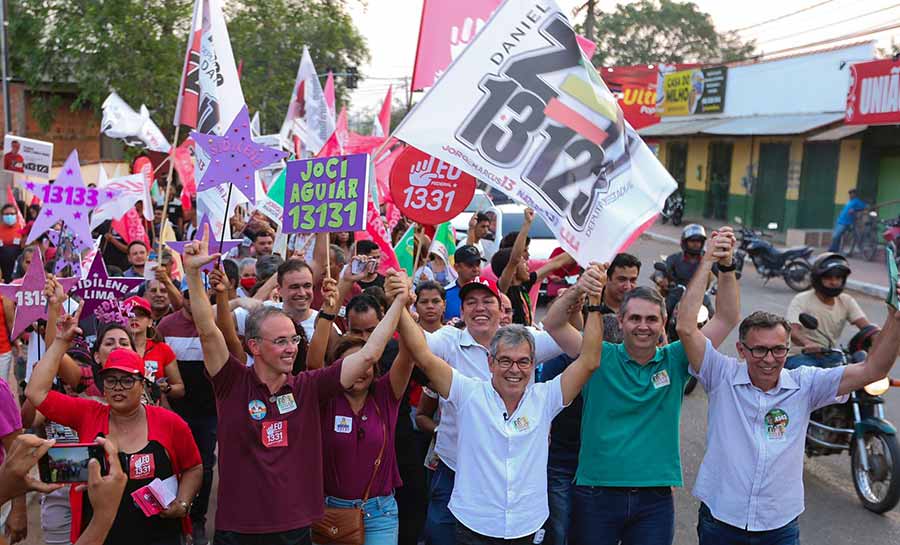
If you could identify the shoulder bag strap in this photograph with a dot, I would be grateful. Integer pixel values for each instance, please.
(380, 453)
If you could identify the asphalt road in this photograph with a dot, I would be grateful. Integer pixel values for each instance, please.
(833, 512)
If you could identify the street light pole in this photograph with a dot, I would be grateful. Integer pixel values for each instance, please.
(4, 68)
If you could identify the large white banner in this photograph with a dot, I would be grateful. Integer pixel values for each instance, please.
(308, 116)
(524, 110)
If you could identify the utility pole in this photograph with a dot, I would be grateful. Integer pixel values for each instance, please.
(4, 68)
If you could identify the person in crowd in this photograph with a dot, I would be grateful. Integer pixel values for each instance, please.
(846, 219)
(500, 489)
(622, 277)
(439, 264)
(247, 270)
(24, 261)
(197, 407)
(683, 264)
(10, 240)
(263, 243)
(272, 417)
(751, 459)
(344, 240)
(158, 356)
(479, 229)
(358, 432)
(158, 443)
(831, 307)
(466, 350)
(13, 510)
(105, 492)
(634, 401)
(163, 295)
(137, 259)
(430, 304)
(515, 279)
(113, 248)
(467, 262)
(371, 251)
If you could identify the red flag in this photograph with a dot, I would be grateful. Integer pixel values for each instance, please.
(376, 231)
(338, 140)
(383, 126)
(383, 173)
(11, 199)
(184, 165)
(189, 91)
(329, 93)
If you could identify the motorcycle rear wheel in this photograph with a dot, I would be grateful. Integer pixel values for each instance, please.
(797, 275)
(881, 493)
(676, 219)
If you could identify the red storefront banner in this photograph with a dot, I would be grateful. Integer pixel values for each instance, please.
(874, 95)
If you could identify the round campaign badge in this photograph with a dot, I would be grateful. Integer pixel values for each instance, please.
(257, 409)
(428, 190)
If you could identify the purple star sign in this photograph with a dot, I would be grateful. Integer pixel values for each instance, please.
(67, 200)
(31, 304)
(97, 286)
(215, 246)
(235, 157)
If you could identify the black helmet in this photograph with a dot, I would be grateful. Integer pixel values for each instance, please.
(692, 231)
(829, 264)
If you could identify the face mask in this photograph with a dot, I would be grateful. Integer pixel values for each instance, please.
(248, 283)
(9, 219)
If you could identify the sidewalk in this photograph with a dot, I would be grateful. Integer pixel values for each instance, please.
(868, 277)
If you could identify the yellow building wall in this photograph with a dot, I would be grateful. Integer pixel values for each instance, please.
(848, 170)
(697, 160)
(740, 160)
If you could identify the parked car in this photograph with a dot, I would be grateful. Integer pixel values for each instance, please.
(481, 202)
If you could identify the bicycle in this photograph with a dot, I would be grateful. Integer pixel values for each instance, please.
(863, 235)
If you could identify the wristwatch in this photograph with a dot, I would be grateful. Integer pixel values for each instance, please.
(186, 505)
(326, 316)
(594, 308)
(728, 268)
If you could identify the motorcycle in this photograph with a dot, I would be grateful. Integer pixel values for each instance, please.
(891, 236)
(673, 209)
(859, 427)
(791, 264)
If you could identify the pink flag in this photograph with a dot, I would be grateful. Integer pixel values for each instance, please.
(382, 124)
(184, 165)
(131, 227)
(338, 140)
(11, 199)
(383, 167)
(376, 231)
(329, 93)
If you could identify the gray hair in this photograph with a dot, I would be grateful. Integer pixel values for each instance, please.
(257, 316)
(340, 256)
(512, 335)
(644, 293)
(245, 262)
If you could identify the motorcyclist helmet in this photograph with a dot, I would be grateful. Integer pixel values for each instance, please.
(830, 264)
(692, 231)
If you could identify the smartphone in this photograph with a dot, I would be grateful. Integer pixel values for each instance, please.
(372, 266)
(69, 463)
(358, 265)
(892, 278)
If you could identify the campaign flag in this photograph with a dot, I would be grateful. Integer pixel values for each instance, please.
(330, 100)
(136, 129)
(337, 142)
(325, 194)
(382, 124)
(377, 232)
(308, 117)
(184, 165)
(11, 199)
(132, 189)
(445, 235)
(531, 117)
(405, 249)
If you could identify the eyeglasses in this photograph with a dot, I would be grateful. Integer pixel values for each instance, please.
(283, 342)
(760, 352)
(126, 382)
(505, 363)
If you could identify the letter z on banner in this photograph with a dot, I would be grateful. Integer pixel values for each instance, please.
(522, 109)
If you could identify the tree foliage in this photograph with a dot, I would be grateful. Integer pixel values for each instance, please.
(661, 31)
(137, 48)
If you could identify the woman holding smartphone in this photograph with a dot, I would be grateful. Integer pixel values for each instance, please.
(154, 442)
(158, 356)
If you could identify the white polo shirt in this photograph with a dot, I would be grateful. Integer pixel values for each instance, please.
(752, 473)
(463, 353)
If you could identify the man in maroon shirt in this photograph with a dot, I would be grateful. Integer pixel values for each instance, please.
(270, 449)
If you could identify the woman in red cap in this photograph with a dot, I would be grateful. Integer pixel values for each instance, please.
(154, 442)
(157, 354)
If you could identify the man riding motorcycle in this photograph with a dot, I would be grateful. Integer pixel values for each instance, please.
(683, 264)
(830, 306)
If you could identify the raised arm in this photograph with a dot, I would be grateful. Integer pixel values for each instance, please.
(728, 297)
(318, 345)
(402, 368)
(438, 371)
(69, 370)
(224, 318)
(561, 260)
(880, 360)
(557, 322)
(174, 293)
(46, 369)
(577, 374)
(355, 365)
(212, 341)
(518, 250)
(321, 254)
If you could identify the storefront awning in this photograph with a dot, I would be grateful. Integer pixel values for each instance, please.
(842, 131)
(757, 125)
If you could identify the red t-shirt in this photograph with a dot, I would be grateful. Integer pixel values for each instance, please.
(270, 449)
(91, 418)
(157, 355)
(353, 441)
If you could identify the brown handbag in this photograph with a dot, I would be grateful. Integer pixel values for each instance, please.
(346, 525)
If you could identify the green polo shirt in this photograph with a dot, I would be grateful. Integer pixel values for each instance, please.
(630, 423)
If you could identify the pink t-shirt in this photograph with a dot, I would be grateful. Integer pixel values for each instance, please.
(10, 417)
(351, 442)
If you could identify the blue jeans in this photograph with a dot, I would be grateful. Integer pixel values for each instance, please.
(560, 481)
(824, 361)
(382, 520)
(712, 531)
(836, 237)
(440, 524)
(630, 516)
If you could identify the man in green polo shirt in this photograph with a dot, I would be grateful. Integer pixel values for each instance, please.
(630, 454)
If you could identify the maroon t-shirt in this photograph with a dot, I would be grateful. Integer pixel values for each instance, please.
(352, 441)
(270, 449)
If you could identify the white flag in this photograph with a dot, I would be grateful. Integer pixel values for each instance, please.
(132, 189)
(136, 129)
(524, 110)
(308, 116)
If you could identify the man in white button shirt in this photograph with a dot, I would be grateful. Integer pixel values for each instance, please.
(503, 425)
(751, 480)
(466, 350)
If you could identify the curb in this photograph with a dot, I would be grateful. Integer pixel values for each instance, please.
(866, 288)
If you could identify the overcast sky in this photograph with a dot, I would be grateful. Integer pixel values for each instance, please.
(391, 28)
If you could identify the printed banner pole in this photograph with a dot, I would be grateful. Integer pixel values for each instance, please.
(165, 210)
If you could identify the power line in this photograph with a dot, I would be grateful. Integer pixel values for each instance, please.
(785, 16)
(859, 34)
(827, 25)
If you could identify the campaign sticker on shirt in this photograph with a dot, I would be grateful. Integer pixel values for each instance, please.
(151, 366)
(343, 424)
(257, 409)
(274, 434)
(141, 466)
(286, 403)
(521, 423)
(660, 379)
(776, 424)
